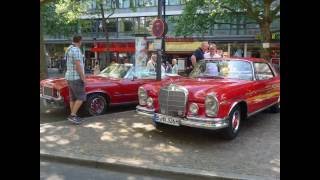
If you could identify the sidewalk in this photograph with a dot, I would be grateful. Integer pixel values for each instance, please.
(126, 139)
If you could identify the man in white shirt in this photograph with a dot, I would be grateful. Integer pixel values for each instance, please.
(151, 65)
(212, 52)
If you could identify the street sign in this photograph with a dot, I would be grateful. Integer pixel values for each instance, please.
(266, 45)
(159, 28)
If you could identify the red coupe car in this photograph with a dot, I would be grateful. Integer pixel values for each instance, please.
(219, 94)
(116, 85)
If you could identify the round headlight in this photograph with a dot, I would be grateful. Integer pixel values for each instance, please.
(212, 106)
(150, 102)
(142, 96)
(194, 108)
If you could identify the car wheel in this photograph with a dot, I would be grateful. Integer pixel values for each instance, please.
(96, 104)
(234, 120)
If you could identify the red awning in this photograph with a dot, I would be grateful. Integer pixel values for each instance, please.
(115, 47)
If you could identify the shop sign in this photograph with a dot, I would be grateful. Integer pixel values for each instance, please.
(157, 44)
(266, 45)
(159, 28)
(141, 52)
(274, 36)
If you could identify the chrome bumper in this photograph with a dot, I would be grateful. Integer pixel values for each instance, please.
(52, 102)
(196, 122)
(145, 111)
(205, 123)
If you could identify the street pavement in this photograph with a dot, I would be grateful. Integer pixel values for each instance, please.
(127, 139)
(61, 171)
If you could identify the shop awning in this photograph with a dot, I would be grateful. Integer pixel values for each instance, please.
(115, 47)
(179, 46)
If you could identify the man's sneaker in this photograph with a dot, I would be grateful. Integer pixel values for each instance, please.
(74, 119)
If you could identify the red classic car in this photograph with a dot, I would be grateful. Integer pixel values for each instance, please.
(219, 94)
(117, 84)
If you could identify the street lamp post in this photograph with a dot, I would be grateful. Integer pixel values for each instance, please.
(161, 52)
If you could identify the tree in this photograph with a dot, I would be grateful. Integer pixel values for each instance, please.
(200, 15)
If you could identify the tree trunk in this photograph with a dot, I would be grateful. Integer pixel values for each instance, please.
(265, 29)
(105, 30)
(43, 61)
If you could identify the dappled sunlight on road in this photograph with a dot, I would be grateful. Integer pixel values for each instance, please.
(96, 125)
(108, 136)
(167, 148)
(147, 127)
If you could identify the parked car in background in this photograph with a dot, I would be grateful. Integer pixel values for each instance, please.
(116, 85)
(219, 94)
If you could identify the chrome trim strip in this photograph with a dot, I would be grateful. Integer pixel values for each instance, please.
(145, 111)
(50, 98)
(206, 119)
(233, 105)
(259, 110)
(205, 125)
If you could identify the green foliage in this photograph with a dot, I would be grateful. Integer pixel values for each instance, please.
(54, 23)
(200, 15)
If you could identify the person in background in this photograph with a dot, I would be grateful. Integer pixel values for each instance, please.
(126, 60)
(96, 69)
(198, 55)
(174, 66)
(168, 67)
(151, 65)
(212, 52)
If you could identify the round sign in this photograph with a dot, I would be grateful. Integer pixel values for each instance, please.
(159, 28)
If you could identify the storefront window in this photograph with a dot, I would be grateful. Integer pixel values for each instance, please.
(112, 25)
(126, 25)
(147, 3)
(124, 3)
(237, 50)
(172, 2)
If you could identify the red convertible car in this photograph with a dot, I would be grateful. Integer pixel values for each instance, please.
(219, 94)
(116, 85)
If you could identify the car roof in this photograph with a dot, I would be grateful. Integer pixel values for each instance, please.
(240, 58)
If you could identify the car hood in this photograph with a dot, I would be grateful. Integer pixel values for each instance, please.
(59, 83)
(198, 88)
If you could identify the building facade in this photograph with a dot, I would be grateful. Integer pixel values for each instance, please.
(132, 17)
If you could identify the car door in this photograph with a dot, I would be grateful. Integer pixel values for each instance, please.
(267, 85)
(130, 85)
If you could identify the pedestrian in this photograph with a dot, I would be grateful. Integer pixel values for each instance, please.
(212, 52)
(174, 66)
(75, 77)
(126, 60)
(168, 67)
(198, 55)
(96, 69)
(151, 65)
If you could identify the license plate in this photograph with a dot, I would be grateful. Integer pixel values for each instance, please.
(167, 120)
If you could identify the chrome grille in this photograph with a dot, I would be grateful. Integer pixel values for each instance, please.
(47, 91)
(172, 101)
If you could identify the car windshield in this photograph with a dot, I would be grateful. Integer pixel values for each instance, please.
(116, 70)
(234, 69)
(144, 73)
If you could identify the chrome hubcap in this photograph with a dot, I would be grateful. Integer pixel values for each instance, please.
(97, 105)
(235, 121)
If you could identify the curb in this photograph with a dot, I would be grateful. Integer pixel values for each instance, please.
(112, 163)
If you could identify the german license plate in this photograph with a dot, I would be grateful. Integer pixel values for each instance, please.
(167, 120)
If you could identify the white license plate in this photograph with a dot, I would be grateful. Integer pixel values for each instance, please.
(168, 120)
